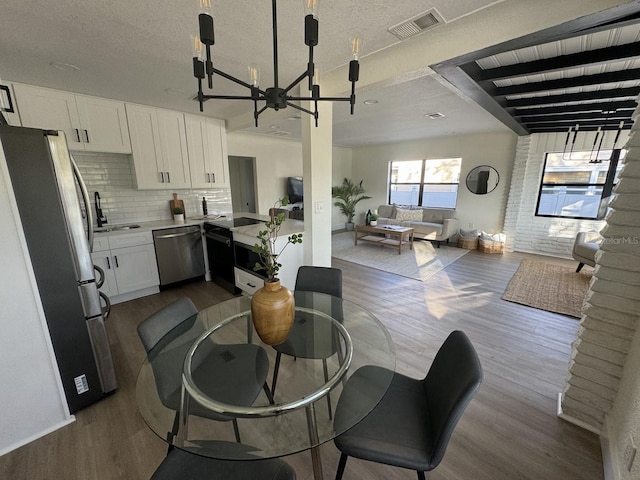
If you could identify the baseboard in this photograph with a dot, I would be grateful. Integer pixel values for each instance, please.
(575, 421)
(38, 435)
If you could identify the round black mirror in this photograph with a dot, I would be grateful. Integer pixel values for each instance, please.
(483, 179)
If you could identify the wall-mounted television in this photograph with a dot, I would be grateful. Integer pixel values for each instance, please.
(295, 189)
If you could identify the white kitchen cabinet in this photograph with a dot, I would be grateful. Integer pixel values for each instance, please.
(89, 123)
(207, 146)
(159, 146)
(129, 264)
(8, 104)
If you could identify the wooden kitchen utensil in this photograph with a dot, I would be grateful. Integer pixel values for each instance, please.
(176, 203)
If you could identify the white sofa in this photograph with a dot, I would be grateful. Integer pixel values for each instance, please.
(584, 249)
(436, 224)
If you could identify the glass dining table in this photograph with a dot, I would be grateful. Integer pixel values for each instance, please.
(299, 417)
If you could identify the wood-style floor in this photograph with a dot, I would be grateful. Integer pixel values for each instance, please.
(509, 431)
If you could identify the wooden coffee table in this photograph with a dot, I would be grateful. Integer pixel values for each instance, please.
(385, 235)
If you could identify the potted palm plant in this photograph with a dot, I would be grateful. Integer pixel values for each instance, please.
(272, 306)
(348, 195)
(178, 215)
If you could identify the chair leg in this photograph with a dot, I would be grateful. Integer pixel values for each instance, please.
(421, 476)
(236, 430)
(326, 379)
(580, 265)
(341, 465)
(276, 367)
(265, 387)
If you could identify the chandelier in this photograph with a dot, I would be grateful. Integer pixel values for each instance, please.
(275, 97)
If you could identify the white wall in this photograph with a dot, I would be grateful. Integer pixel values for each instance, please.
(31, 396)
(277, 159)
(544, 235)
(484, 212)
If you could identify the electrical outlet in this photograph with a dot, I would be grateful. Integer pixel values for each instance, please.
(630, 453)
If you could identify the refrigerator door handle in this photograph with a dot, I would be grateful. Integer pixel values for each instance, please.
(85, 200)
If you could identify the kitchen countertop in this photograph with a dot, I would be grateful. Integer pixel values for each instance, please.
(288, 227)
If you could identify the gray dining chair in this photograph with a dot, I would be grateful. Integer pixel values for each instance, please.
(325, 280)
(183, 465)
(412, 424)
(232, 374)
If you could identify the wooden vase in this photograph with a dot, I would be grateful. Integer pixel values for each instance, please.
(272, 311)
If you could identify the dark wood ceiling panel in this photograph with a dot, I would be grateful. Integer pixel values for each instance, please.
(603, 99)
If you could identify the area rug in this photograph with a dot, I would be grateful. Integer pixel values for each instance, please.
(421, 263)
(550, 287)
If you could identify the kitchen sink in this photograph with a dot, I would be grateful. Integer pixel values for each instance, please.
(115, 228)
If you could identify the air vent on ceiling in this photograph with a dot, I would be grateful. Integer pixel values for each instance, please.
(418, 24)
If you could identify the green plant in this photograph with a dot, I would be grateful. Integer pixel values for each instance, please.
(374, 217)
(266, 249)
(178, 211)
(348, 195)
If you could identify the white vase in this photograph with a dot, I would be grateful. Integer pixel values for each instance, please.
(178, 218)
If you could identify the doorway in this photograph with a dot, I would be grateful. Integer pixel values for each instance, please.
(243, 185)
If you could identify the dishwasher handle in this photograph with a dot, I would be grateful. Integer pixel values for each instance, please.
(175, 235)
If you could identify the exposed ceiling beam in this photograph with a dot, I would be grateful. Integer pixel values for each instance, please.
(611, 93)
(575, 118)
(587, 125)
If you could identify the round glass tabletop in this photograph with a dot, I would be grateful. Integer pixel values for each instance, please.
(214, 368)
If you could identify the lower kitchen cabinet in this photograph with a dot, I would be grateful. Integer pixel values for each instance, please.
(130, 271)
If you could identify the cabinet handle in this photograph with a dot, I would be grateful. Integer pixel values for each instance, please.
(115, 257)
(161, 177)
(77, 134)
(251, 285)
(86, 135)
(213, 178)
(108, 263)
(208, 178)
(168, 178)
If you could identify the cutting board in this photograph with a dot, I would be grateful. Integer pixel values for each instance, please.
(176, 202)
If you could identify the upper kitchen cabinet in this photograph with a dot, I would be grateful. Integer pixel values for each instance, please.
(159, 145)
(8, 104)
(207, 144)
(89, 123)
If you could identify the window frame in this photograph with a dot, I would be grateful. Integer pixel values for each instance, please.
(422, 183)
(607, 188)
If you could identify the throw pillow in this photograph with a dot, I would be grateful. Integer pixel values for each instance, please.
(469, 233)
(403, 215)
(495, 237)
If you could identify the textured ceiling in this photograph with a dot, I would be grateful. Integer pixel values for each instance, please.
(139, 51)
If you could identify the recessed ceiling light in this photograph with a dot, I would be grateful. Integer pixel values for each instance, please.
(65, 67)
(275, 127)
(293, 117)
(370, 101)
(174, 91)
(434, 116)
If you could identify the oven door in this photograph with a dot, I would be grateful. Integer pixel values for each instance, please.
(246, 259)
(221, 261)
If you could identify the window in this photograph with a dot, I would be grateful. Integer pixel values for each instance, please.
(578, 184)
(425, 183)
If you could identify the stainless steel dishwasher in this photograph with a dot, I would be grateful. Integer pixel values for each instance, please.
(179, 253)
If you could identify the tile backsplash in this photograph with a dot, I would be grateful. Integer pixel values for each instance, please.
(112, 175)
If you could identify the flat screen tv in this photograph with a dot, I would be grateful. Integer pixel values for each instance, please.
(294, 189)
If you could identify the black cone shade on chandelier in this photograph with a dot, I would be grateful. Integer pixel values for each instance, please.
(274, 97)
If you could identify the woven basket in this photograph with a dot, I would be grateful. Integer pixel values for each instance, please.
(468, 243)
(489, 246)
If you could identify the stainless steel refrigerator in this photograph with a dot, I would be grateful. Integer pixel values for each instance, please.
(46, 183)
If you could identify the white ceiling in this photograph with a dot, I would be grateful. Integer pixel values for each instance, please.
(139, 51)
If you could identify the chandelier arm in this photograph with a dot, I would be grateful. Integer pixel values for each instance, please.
(324, 99)
(234, 79)
(227, 97)
(296, 81)
(297, 107)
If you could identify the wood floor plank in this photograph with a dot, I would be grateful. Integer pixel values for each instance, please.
(509, 431)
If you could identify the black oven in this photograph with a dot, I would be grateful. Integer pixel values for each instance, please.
(220, 254)
(246, 259)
